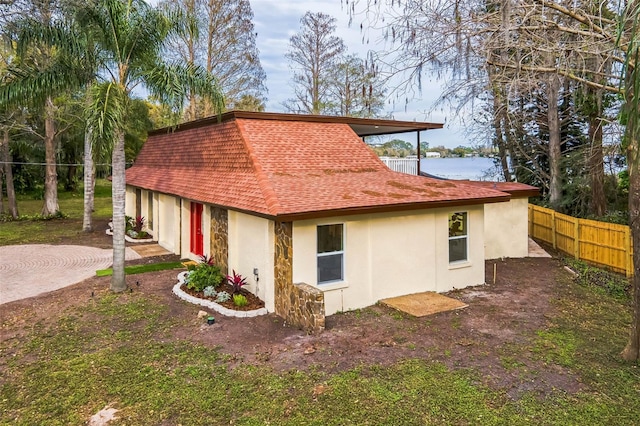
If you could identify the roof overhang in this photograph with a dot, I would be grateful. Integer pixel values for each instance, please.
(361, 126)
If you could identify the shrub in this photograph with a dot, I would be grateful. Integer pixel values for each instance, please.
(223, 296)
(133, 227)
(240, 300)
(210, 291)
(236, 281)
(202, 276)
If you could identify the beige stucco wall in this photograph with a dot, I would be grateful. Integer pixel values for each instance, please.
(145, 211)
(168, 223)
(506, 229)
(251, 245)
(389, 255)
(130, 207)
(130, 201)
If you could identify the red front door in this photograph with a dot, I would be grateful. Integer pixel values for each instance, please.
(196, 229)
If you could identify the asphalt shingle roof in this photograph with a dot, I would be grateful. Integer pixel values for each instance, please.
(288, 169)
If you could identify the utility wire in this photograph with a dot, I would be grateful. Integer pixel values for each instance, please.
(57, 164)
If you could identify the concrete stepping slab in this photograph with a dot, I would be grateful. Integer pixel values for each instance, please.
(150, 250)
(423, 304)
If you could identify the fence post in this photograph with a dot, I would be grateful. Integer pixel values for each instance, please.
(627, 250)
(576, 244)
(553, 228)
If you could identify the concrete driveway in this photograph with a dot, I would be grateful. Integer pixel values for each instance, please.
(30, 270)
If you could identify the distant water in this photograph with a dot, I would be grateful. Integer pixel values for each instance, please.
(473, 168)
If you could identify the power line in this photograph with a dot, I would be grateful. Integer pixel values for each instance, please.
(57, 164)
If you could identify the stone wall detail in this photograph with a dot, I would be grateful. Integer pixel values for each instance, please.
(220, 238)
(300, 305)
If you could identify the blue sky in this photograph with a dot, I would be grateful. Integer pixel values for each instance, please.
(277, 20)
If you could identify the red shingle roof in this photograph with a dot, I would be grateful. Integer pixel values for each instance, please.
(513, 188)
(289, 170)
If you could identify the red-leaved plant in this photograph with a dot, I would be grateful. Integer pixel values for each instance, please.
(206, 259)
(140, 220)
(236, 281)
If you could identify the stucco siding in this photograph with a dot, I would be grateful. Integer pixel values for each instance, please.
(506, 229)
(169, 223)
(251, 245)
(387, 255)
(185, 230)
(130, 201)
(450, 276)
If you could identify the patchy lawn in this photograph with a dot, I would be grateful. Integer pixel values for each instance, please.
(61, 231)
(535, 348)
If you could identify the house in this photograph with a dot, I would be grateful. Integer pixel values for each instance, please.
(307, 212)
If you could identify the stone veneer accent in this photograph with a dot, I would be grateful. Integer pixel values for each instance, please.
(220, 238)
(300, 305)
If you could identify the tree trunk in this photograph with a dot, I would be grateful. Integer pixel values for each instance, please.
(498, 114)
(555, 184)
(596, 163)
(1, 191)
(51, 178)
(87, 225)
(8, 175)
(118, 282)
(632, 351)
(72, 182)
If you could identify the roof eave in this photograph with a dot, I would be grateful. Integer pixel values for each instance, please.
(361, 126)
(388, 208)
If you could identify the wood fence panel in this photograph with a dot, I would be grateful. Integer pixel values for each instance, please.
(542, 226)
(566, 237)
(600, 243)
(604, 244)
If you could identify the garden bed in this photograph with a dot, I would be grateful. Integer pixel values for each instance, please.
(253, 308)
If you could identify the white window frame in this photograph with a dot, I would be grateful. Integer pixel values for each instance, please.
(459, 237)
(332, 253)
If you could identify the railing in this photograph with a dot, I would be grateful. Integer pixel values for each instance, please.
(402, 165)
(599, 243)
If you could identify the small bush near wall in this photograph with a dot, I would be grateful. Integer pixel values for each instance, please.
(203, 275)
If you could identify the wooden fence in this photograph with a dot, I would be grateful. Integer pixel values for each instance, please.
(602, 244)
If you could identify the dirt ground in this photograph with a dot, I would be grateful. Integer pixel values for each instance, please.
(501, 319)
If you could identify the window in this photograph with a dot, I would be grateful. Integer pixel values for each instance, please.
(458, 237)
(330, 253)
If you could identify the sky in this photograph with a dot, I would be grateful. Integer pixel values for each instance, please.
(277, 20)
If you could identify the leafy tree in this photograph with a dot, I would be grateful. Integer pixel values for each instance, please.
(218, 35)
(314, 53)
(30, 58)
(356, 90)
(128, 38)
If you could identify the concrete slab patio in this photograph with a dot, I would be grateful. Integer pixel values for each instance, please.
(33, 269)
(423, 304)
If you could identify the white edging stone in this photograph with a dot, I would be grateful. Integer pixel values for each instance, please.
(132, 240)
(211, 304)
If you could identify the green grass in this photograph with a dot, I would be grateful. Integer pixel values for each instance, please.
(46, 231)
(115, 350)
(140, 269)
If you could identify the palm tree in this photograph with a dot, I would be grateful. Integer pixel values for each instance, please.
(127, 37)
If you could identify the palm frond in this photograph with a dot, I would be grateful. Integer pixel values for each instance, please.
(107, 112)
(27, 83)
(172, 82)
